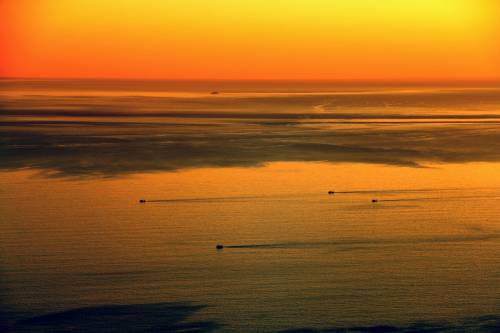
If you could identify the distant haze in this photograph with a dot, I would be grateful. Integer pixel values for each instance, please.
(222, 39)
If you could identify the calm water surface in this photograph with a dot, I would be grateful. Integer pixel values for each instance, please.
(249, 168)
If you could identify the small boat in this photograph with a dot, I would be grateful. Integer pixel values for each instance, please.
(214, 93)
(219, 246)
(374, 200)
(142, 201)
(331, 192)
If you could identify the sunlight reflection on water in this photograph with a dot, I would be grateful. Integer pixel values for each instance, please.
(408, 241)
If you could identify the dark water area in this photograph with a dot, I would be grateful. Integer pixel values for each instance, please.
(71, 128)
(408, 240)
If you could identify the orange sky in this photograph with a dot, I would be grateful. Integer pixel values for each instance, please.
(258, 39)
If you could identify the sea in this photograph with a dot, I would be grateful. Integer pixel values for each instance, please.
(337, 206)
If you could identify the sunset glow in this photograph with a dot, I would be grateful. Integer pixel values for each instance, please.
(222, 39)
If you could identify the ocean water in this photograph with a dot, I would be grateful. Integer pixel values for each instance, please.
(249, 167)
